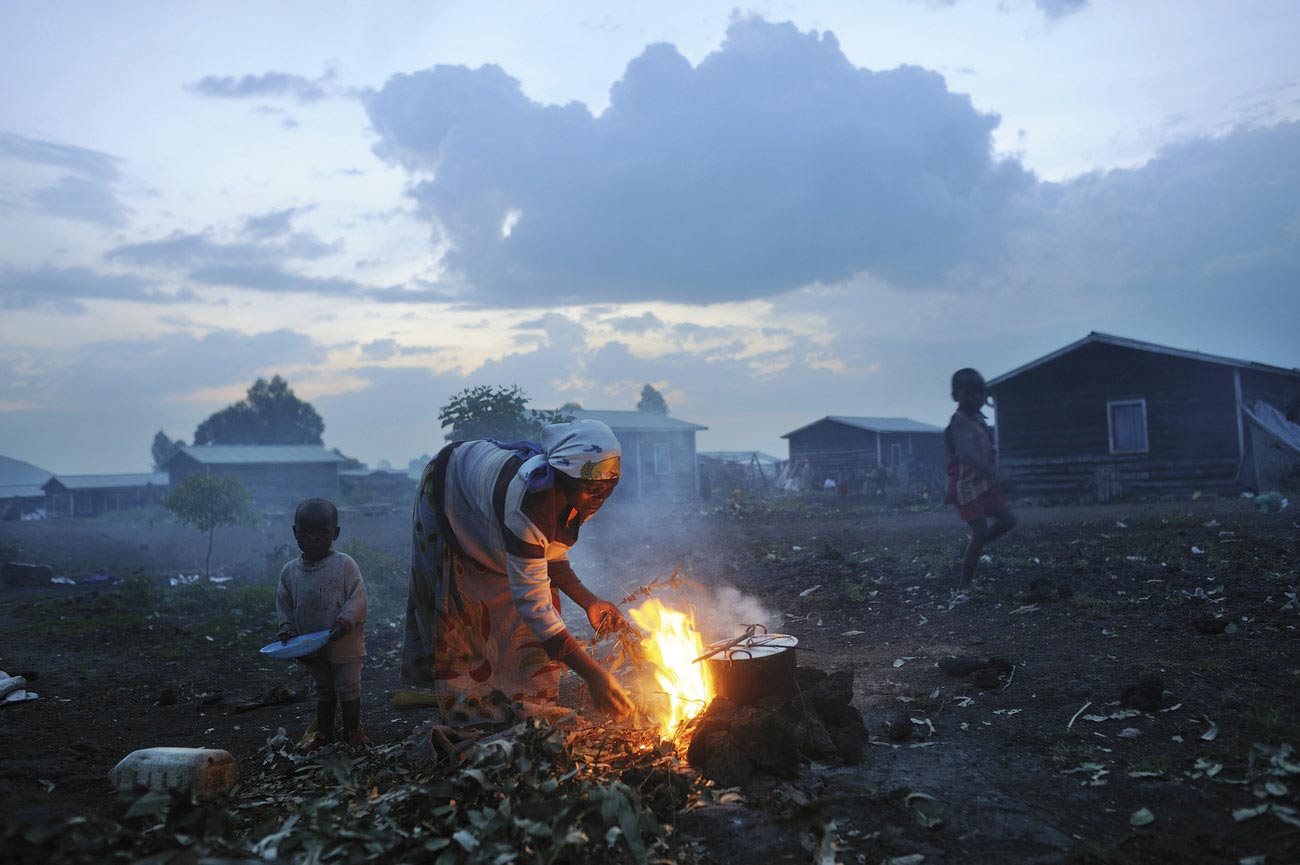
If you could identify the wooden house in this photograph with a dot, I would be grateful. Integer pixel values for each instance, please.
(22, 493)
(847, 449)
(277, 476)
(1108, 416)
(658, 454)
(93, 495)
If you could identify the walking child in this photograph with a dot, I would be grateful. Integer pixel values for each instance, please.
(973, 471)
(323, 589)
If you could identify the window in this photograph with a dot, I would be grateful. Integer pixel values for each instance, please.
(1127, 420)
(662, 464)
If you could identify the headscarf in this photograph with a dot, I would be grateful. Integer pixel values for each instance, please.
(584, 449)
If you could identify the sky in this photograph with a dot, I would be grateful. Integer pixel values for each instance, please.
(771, 213)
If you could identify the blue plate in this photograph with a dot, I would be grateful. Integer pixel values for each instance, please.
(303, 644)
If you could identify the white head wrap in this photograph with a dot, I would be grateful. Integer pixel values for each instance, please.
(584, 449)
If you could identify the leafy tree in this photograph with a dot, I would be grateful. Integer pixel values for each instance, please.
(350, 463)
(652, 401)
(271, 414)
(163, 448)
(501, 413)
(207, 501)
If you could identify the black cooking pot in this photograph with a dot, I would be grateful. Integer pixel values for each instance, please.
(758, 666)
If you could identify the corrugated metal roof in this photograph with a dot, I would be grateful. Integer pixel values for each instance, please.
(636, 421)
(16, 491)
(1140, 345)
(104, 482)
(250, 454)
(874, 424)
(17, 473)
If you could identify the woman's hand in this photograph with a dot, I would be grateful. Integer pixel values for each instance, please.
(608, 694)
(604, 616)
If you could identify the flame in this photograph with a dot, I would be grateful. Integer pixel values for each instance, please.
(672, 644)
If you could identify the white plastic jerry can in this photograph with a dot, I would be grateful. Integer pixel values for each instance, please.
(201, 772)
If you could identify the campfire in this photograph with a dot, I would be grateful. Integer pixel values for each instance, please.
(672, 646)
(741, 706)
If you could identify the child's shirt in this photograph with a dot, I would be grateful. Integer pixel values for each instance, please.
(965, 484)
(312, 597)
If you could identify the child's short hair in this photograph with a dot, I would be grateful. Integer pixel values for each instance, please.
(966, 381)
(316, 510)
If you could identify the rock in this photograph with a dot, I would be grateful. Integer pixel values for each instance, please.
(718, 715)
(899, 727)
(726, 764)
(26, 574)
(850, 743)
(1208, 623)
(1147, 694)
(767, 739)
(959, 666)
(834, 691)
(808, 677)
(1039, 591)
(814, 739)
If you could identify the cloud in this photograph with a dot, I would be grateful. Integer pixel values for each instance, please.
(773, 163)
(273, 224)
(79, 160)
(262, 241)
(638, 324)
(85, 189)
(1055, 10)
(96, 408)
(63, 288)
(269, 84)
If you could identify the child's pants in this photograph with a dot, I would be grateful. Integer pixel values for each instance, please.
(342, 680)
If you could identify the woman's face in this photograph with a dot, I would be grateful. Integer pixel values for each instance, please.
(586, 497)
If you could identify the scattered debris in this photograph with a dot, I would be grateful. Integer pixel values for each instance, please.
(201, 772)
(25, 574)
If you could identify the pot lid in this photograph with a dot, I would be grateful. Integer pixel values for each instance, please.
(756, 646)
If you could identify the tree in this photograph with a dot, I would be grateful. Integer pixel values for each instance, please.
(271, 414)
(163, 448)
(501, 413)
(652, 401)
(207, 501)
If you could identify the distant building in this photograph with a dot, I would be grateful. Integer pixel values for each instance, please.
(847, 449)
(1107, 416)
(658, 454)
(373, 489)
(277, 476)
(22, 493)
(727, 471)
(93, 495)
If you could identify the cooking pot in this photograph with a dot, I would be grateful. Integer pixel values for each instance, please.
(757, 666)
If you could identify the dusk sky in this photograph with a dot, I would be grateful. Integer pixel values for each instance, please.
(772, 213)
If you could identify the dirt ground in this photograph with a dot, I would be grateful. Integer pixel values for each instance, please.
(1197, 599)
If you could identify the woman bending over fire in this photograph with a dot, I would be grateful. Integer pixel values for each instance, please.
(492, 527)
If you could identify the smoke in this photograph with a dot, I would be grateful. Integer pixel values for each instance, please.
(724, 612)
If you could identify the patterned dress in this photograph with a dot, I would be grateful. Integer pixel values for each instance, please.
(486, 559)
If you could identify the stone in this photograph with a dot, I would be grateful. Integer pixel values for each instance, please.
(768, 740)
(960, 666)
(726, 764)
(1147, 694)
(899, 727)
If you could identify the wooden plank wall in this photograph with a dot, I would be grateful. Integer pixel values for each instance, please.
(1053, 433)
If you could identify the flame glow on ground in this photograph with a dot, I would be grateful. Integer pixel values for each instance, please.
(672, 644)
